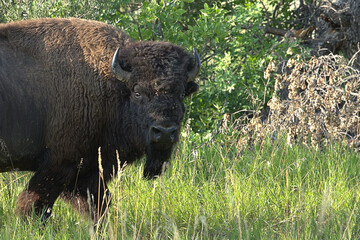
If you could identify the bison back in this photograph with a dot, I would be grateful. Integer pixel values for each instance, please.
(54, 82)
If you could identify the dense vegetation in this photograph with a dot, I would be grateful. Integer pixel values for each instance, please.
(217, 187)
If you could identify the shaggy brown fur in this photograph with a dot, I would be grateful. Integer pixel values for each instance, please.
(60, 102)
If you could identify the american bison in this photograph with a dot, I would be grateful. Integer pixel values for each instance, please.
(69, 87)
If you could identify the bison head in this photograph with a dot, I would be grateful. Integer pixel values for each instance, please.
(159, 76)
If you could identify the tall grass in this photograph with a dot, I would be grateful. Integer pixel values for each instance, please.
(212, 191)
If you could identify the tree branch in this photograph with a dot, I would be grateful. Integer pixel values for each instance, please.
(275, 31)
(301, 33)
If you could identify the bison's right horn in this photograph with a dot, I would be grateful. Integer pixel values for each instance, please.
(119, 72)
(194, 72)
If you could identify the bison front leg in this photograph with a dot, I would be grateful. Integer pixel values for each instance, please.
(89, 195)
(42, 191)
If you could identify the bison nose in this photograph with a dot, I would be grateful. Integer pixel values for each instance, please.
(159, 134)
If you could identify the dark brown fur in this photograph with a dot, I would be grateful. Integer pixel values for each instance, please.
(60, 102)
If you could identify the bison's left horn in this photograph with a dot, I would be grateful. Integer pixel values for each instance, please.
(195, 70)
(119, 72)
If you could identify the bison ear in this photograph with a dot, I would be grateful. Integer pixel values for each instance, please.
(190, 88)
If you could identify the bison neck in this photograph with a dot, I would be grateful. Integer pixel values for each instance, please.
(122, 135)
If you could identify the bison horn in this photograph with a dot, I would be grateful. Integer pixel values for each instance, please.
(195, 70)
(116, 68)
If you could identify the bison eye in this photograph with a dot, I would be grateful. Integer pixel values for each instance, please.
(137, 95)
(136, 90)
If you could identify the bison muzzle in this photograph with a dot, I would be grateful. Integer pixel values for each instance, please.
(69, 87)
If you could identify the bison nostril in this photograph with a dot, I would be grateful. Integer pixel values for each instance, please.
(173, 134)
(163, 134)
(156, 134)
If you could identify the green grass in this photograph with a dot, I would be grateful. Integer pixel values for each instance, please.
(272, 191)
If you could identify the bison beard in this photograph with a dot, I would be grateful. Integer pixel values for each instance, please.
(64, 94)
(156, 162)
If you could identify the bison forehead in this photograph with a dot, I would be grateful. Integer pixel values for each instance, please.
(154, 59)
(151, 51)
(171, 85)
(159, 83)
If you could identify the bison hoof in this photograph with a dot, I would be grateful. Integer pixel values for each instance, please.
(30, 202)
(47, 214)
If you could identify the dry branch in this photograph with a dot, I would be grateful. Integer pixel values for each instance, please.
(315, 102)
